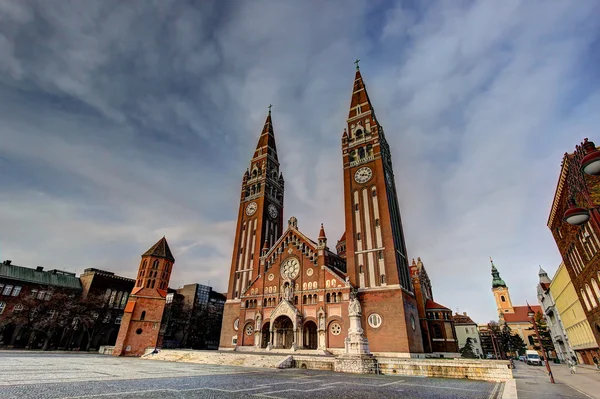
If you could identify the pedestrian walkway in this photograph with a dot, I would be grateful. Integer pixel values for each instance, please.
(533, 382)
(586, 379)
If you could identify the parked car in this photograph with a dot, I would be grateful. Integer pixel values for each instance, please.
(522, 358)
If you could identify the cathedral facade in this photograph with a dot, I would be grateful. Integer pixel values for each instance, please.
(288, 291)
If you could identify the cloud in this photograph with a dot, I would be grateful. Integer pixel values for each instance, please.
(122, 122)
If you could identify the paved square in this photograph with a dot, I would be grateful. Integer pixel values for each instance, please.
(57, 375)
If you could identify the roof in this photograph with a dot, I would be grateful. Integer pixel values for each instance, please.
(160, 250)
(359, 97)
(55, 278)
(434, 305)
(267, 138)
(343, 238)
(520, 315)
(462, 319)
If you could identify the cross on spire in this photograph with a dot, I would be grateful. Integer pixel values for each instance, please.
(270, 106)
(356, 62)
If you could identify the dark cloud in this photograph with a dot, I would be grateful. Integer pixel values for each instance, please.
(124, 121)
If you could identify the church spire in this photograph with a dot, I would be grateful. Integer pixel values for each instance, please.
(496, 280)
(266, 141)
(360, 103)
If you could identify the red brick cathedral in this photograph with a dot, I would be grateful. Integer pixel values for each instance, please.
(287, 291)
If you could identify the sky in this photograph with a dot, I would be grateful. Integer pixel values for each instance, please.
(121, 122)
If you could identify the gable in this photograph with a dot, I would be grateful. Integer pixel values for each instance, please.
(292, 238)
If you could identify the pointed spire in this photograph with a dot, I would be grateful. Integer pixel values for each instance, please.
(322, 233)
(360, 102)
(496, 280)
(160, 250)
(267, 138)
(544, 276)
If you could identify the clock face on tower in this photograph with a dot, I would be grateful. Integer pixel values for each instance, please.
(251, 208)
(273, 211)
(290, 268)
(363, 174)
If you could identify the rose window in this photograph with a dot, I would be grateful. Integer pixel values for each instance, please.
(249, 329)
(335, 329)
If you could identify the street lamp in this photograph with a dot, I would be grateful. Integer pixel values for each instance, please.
(590, 164)
(576, 215)
(531, 315)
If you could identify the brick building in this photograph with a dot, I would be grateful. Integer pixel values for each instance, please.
(287, 290)
(21, 285)
(143, 312)
(437, 324)
(114, 291)
(579, 245)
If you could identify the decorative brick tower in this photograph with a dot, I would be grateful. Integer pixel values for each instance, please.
(144, 310)
(375, 248)
(260, 224)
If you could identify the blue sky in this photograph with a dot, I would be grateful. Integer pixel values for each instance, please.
(121, 122)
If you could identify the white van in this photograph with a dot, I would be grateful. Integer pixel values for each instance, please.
(532, 357)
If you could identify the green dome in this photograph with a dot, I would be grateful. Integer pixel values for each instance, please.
(496, 280)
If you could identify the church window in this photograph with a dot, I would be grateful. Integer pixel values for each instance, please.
(380, 255)
(106, 295)
(502, 298)
(236, 324)
(118, 300)
(143, 315)
(382, 279)
(144, 263)
(249, 329)
(251, 256)
(304, 300)
(374, 193)
(413, 324)
(437, 331)
(254, 173)
(124, 300)
(358, 132)
(592, 299)
(360, 269)
(356, 207)
(258, 188)
(352, 156)
(596, 288)
(358, 236)
(376, 222)
(334, 297)
(328, 298)
(265, 302)
(335, 328)
(339, 297)
(369, 150)
(361, 152)
(112, 299)
(374, 320)
(155, 264)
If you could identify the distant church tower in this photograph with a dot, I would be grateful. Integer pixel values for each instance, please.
(140, 325)
(376, 255)
(501, 294)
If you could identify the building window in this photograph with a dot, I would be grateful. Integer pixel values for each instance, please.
(356, 207)
(155, 264)
(33, 293)
(17, 290)
(118, 319)
(592, 299)
(413, 323)
(335, 328)
(41, 295)
(236, 324)
(585, 300)
(143, 315)
(7, 290)
(376, 222)
(437, 331)
(502, 298)
(358, 236)
(2, 307)
(144, 264)
(374, 320)
(111, 301)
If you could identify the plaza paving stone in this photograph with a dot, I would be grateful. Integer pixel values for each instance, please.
(53, 375)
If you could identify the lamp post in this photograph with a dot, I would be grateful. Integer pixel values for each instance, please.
(587, 157)
(531, 315)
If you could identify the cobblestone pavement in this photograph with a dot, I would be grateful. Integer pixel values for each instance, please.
(40, 375)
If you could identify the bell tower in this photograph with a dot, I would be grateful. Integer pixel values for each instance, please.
(501, 293)
(259, 223)
(143, 313)
(376, 255)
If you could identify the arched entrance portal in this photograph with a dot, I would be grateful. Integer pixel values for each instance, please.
(266, 336)
(283, 332)
(310, 335)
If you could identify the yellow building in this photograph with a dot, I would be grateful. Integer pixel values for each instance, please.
(516, 317)
(580, 335)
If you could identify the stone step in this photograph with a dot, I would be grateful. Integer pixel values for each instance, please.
(220, 358)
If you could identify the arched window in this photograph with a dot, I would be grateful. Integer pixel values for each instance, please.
(382, 279)
(107, 295)
(119, 297)
(339, 297)
(360, 269)
(592, 299)
(112, 299)
(352, 156)
(254, 172)
(358, 133)
(155, 264)
(328, 298)
(334, 297)
(153, 282)
(596, 289)
(585, 300)
(144, 263)
(258, 188)
(265, 302)
(143, 315)
(124, 299)
(369, 150)
(304, 300)
(361, 153)
(502, 298)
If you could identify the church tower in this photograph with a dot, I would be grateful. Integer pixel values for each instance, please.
(501, 294)
(143, 313)
(375, 248)
(259, 223)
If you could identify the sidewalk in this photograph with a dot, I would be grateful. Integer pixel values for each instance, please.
(533, 382)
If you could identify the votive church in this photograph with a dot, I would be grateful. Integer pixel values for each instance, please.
(289, 292)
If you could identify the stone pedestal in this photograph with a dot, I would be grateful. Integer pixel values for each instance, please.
(358, 364)
(356, 343)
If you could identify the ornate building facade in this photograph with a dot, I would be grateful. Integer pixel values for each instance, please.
(287, 291)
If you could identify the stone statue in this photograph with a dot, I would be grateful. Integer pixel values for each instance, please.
(258, 320)
(321, 322)
(354, 306)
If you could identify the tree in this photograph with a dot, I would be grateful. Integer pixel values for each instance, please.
(518, 345)
(467, 350)
(546, 345)
(87, 317)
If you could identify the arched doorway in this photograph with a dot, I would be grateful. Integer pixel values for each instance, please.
(266, 336)
(283, 329)
(310, 335)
